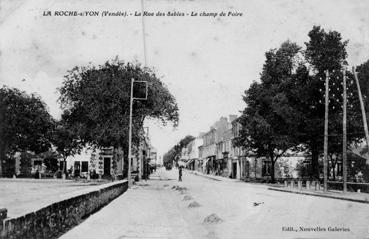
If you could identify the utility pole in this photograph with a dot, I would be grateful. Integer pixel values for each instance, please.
(344, 141)
(130, 136)
(325, 162)
(143, 32)
(362, 110)
(141, 159)
(130, 124)
(255, 162)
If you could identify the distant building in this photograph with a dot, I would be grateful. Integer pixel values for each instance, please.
(27, 164)
(213, 152)
(141, 156)
(153, 155)
(106, 162)
(192, 153)
(208, 151)
(245, 165)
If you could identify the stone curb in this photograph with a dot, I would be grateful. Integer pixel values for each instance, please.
(204, 176)
(57, 218)
(321, 195)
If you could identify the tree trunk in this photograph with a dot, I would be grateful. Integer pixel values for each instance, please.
(120, 157)
(2, 142)
(255, 162)
(272, 172)
(333, 166)
(334, 173)
(65, 166)
(2, 157)
(314, 173)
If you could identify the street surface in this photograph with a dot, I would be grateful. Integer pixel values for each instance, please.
(154, 209)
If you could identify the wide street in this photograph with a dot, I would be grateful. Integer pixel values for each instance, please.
(155, 209)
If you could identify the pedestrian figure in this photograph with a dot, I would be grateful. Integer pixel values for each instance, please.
(180, 174)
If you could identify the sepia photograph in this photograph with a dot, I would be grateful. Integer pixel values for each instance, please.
(184, 119)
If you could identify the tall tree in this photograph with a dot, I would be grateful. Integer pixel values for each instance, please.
(287, 106)
(267, 118)
(96, 102)
(65, 139)
(324, 51)
(25, 124)
(174, 153)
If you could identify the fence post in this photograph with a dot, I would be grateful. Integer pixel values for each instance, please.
(307, 184)
(313, 184)
(299, 184)
(317, 186)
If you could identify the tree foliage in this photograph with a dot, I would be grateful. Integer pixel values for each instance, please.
(175, 152)
(286, 108)
(96, 102)
(324, 51)
(65, 139)
(25, 123)
(267, 113)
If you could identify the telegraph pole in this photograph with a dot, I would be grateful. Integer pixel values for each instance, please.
(143, 32)
(344, 141)
(325, 162)
(130, 136)
(362, 110)
(141, 159)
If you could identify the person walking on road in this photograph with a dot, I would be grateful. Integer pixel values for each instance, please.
(180, 174)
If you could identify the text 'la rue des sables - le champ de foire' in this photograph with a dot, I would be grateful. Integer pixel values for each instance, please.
(139, 14)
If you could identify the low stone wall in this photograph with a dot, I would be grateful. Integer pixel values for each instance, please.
(55, 219)
(351, 187)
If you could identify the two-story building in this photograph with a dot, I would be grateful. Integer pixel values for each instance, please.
(208, 151)
(107, 162)
(240, 159)
(192, 151)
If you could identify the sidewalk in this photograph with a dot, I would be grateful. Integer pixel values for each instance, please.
(213, 177)
(150, 209)
(154, 209)
(349, 196)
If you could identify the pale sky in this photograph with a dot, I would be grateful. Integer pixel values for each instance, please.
(206, 62)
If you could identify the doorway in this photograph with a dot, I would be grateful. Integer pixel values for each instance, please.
(107, 166)
(77, 169)
(234, 170)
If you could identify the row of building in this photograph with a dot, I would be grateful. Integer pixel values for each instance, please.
(213, 152)
(107, 162)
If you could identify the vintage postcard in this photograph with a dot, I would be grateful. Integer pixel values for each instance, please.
(208, 119)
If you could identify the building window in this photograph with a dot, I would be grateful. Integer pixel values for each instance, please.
(84, 167)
